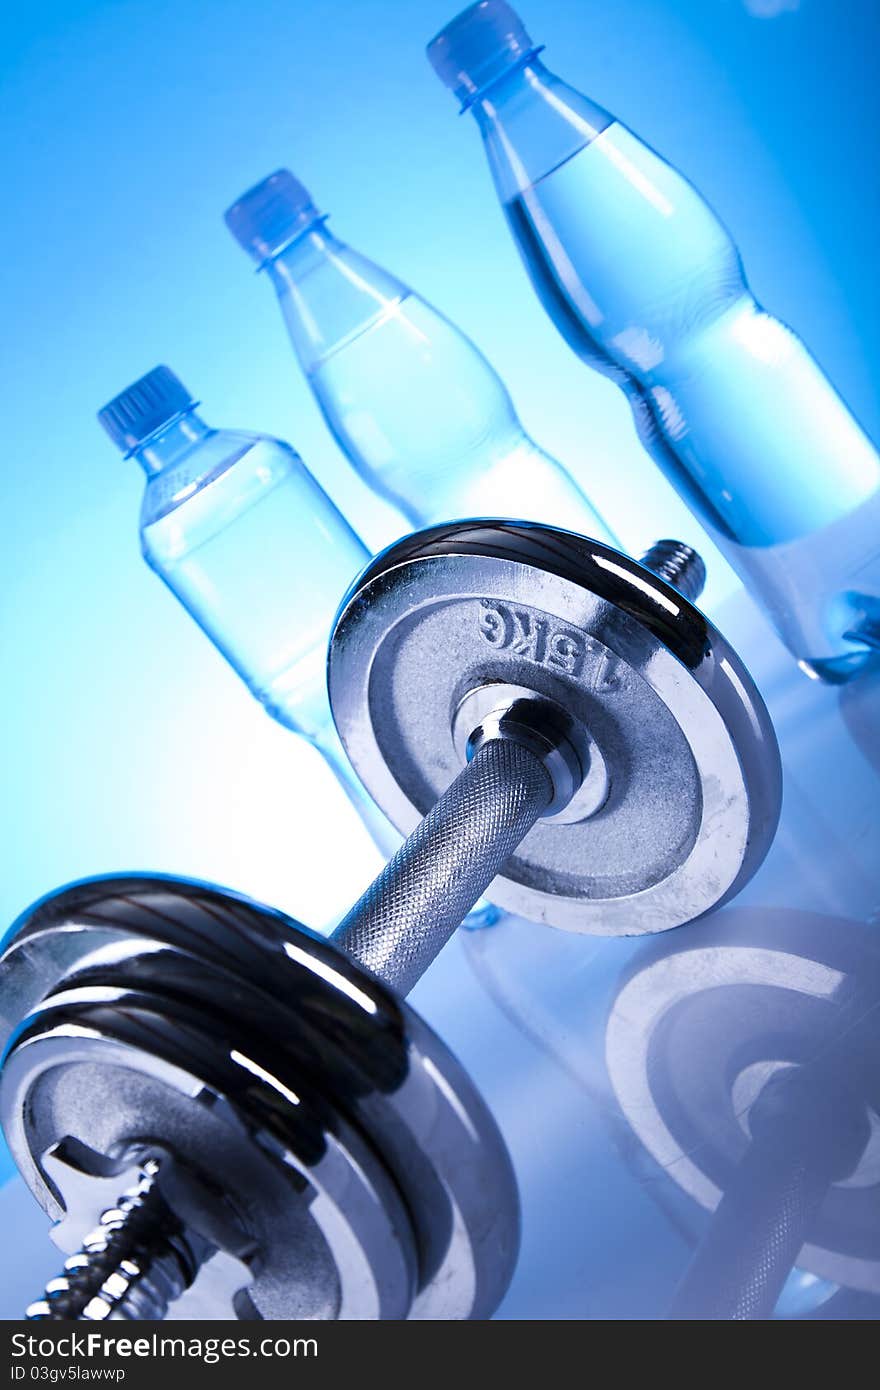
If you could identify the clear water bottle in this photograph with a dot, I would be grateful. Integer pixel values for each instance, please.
(646, 285)
(242, 534)
(419, 412)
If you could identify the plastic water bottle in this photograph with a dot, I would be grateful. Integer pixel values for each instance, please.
(646, 285)
(254, 549)
(419, 412)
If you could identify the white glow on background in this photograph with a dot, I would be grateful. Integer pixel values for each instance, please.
(771, 9)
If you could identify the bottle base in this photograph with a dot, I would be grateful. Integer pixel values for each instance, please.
(839, 670)
(482, 915)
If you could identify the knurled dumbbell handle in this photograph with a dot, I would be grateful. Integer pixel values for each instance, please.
(424, 893)
(410, 911)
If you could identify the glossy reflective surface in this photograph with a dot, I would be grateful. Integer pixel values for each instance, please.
(745, 1060)
(229, 1036)
(687, 743)
(812, 909)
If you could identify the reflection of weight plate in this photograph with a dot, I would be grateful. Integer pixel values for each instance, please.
(363, 1160)
(684, 742)
(699, 1028)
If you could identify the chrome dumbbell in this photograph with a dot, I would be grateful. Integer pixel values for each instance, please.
(746, 1063)
(203, 1093)
(592, 752)
(591, 746)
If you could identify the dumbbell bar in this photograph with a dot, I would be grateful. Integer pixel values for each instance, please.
(612, 768)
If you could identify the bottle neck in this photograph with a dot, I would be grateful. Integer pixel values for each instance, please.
(170, 443)
(532, 122)
(329, 293)
(311, 245)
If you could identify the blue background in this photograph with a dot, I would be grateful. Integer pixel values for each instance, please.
(127, 128)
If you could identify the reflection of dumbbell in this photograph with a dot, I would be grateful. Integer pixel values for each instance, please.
(746, 1062)
(601, 759)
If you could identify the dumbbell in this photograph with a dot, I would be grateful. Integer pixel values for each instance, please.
(746, 1064)
(204, 1093)
(586, 746)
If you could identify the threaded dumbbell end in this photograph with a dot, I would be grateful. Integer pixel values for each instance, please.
(133, 1265)
(679, 565)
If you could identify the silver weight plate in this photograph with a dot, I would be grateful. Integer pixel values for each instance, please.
(388, 1141)
(692, 765)
(95, 1068)
(699, 1028)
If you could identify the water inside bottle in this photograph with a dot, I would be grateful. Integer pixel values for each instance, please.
(727, 399)
(432, 428)
(270, 619)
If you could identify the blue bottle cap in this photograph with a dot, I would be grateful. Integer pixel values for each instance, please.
(271, 214)
(143, 408)
(479, 46)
